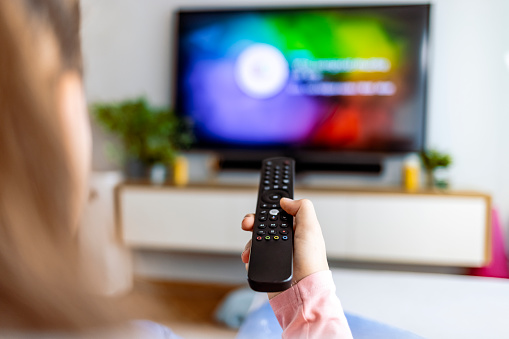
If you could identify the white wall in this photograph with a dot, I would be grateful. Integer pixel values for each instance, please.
(127, 46)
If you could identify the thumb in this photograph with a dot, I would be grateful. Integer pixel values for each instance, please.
(302, 209)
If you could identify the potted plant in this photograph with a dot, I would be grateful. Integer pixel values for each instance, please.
(433, 159)
(151, 137)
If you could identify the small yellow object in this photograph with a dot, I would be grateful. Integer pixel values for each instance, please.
(180, 171)
(411, 174)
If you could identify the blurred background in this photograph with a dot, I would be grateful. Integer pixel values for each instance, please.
(385, 221)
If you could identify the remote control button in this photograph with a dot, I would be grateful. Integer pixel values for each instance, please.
(284, 225)
(274, 205)
(275, 187)
(263, 212)
(273, 217)
(273, 225)
(284, 217)
(284, 237)
(276, 176)
(261, 232)
(259, 238)
(276, 237)
(285, 187)
(273, 197)
(262, 226)
(272, 232)
(266, 188)
(277, 167)
(265, 205)
(262, 218)
(283, 232)
(266, 182)
(270, 162)
(267, 237)
(286, 181)
(274, 212)
(286, 162)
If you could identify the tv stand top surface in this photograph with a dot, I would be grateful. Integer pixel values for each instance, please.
(144, 184)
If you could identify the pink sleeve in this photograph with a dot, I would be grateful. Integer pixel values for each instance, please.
(311, 309)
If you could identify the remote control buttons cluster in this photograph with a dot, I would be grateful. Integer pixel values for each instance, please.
(275, 183)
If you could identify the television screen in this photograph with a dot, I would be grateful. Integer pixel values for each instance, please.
(313, 79)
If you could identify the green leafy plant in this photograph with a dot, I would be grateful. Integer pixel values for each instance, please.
(431, 160)
(150, 135)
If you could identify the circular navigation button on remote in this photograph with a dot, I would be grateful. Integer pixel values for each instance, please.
(274, 196)
(274, 211)
(259, 238)
(283, 232)
(284, 237)
(267, 237)
(276, 237)
(273, 217)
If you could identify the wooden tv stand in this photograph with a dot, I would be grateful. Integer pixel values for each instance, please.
(389, 226)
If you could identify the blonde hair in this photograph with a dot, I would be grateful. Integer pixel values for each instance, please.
(40, 283)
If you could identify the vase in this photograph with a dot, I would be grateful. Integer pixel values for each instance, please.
(430, 179)
(158, 174)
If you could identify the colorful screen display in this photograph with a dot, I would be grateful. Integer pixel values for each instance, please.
(333, 79)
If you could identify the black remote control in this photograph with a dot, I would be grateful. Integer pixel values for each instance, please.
(271, 259)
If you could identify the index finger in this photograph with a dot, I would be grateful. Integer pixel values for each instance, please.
(248, 222)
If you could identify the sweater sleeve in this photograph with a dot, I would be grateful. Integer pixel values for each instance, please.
(311, 309)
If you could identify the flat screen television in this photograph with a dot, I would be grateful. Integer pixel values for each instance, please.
(321, 84)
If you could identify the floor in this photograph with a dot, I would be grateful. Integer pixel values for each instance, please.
(186, 307)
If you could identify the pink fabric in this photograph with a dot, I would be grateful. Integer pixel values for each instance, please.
(311, 309)
(497, 268)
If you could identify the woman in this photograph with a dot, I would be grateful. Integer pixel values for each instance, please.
(44, 164)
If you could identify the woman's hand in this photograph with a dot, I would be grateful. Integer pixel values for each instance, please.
(308, 247)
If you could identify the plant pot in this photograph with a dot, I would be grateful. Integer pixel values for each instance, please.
(135, 169)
